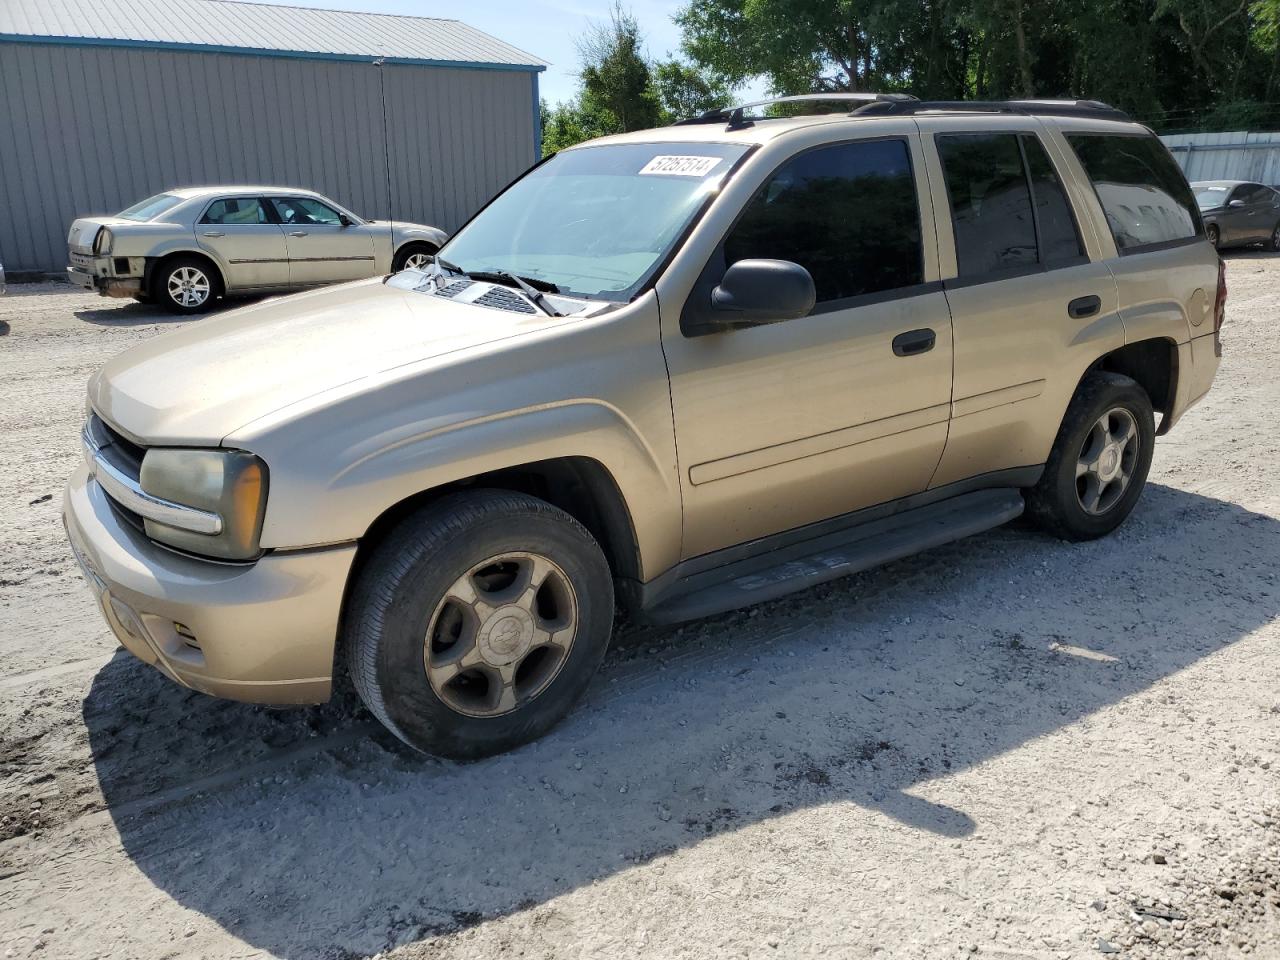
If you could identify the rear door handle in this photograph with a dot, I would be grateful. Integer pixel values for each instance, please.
(914, 342)
(1082, 307)
(214, 233)
(298, 233)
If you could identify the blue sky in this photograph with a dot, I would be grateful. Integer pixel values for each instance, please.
(546, 28)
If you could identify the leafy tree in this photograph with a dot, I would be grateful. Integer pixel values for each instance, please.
(686, 91)
(615, 75)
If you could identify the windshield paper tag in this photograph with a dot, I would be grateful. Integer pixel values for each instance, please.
(679, 166)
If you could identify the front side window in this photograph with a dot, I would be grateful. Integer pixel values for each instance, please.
(1146, 198)
(305, 211)
(150, 208)
(237, 211)
(847, 213)
(595, 221)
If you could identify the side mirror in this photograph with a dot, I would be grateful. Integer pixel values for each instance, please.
(344, 220)
(1236, 203)
(754, 292)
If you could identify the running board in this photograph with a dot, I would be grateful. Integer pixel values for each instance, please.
(798, 566)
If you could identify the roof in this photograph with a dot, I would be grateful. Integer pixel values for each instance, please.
(188, 193)
(225, 26)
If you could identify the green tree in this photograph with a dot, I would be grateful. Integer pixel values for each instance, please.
(686, 91)
(615, 75)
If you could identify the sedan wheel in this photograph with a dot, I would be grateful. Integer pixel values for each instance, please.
(417, 261)
(189, 287)
(1275, 239)
(1212, 231)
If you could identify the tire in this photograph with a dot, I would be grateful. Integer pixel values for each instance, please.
(465, 681)
(186, 285)
(1211, 231)
(411, 254)
(1273, 244)
(1063, 502)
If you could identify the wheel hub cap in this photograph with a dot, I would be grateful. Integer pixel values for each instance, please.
(501, 634)
(1107, 461)
(506, 635)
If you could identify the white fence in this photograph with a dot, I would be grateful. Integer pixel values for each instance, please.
(1228, 156)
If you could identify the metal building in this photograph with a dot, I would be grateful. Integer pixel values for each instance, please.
(106, 102)
(1228, 156)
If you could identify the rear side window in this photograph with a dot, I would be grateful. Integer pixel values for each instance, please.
(847, 213)
(1008, 208)
(243, 210)
(1147, 200)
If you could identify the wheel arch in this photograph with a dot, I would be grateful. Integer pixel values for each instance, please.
(1153, 364)
(414, 242)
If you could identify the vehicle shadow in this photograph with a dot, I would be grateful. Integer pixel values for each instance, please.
(132, 313)
(861, 692)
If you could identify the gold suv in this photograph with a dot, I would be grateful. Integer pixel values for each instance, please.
(673, 372)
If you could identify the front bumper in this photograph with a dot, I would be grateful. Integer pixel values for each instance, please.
(262, 632)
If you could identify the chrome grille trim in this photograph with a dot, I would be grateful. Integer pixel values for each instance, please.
(126, 491)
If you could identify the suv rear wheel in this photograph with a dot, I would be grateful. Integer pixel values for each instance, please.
(478, 623)
(1099, 462)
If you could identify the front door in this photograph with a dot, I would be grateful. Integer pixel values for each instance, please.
(321, 248)
(779, 426)
(250, 249)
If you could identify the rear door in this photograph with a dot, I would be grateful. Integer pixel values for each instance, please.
(1029, 308)
(250, 248)
(1259, 208)
(321, 248)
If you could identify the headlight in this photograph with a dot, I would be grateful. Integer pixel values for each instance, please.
(103, 241)
(229, 483)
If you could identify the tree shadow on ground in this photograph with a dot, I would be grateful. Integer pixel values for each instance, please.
(859, 692)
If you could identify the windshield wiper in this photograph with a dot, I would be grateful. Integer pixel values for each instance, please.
(525, 287)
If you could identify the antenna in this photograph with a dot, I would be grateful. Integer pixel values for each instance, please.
(386, 147)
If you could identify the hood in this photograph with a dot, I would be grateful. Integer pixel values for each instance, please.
(83, 231)
(197, 385)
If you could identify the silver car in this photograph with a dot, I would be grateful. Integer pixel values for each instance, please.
(1239, 212)
(185, 248)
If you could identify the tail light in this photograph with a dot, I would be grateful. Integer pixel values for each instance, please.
(1219, 308)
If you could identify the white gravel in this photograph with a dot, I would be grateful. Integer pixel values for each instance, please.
(1011, 746)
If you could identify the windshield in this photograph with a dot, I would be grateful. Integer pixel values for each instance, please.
(1210, 197)
(595, 221)
(150, 208)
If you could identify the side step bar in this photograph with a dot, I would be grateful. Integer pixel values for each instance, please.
(798, 566)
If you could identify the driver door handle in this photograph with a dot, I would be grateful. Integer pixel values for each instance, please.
(214, 233)
(298, 233)
(914, 342)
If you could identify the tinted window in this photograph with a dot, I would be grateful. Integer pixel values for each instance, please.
(1256, 193)
(1055, 224)
(244, 210)
(990, 202)
(303, 210)
(1146, 198)
(847, 213)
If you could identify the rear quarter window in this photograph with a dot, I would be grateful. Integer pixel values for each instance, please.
(1147, 200)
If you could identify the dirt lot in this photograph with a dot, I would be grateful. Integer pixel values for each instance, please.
(1012, 746)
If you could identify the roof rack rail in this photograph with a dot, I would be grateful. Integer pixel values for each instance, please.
(1092, 109)
(903, 104)
(736, 119)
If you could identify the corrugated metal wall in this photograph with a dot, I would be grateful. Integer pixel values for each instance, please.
(1228, 156)
(87, 129)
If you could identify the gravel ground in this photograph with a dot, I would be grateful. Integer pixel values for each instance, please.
(1011, 746)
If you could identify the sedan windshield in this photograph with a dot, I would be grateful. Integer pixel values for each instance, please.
(595, 221)
(1209, 197)
(150, 208)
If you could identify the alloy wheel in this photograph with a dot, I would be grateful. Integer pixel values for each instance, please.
(1275, 238)
(417, 261)
(1107, 460)
(501, 634)
(189, 286)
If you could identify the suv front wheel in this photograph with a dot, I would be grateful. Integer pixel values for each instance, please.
(1099, 462)
(478, 622)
